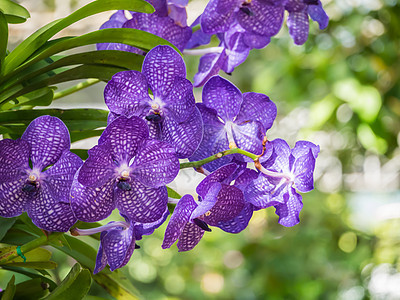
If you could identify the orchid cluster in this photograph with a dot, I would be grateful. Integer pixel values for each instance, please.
(154, 121)
(240, 26)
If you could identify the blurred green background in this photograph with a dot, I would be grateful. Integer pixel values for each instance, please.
(340, 90)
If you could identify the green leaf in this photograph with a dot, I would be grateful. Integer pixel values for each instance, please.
(117, 285)
(37, 258)
(31, 274)
(74, 286)
(82, 153)
(34, 265)
(40, 97)
(123, 59)
(13, 12)
(173, 194)
(80, 251)
(31, 289)
(67, 115)
(9, 292)
(37, 39)
(3, 37)
(5, 225)
(129, 36)
(81, 72)
(80, 135)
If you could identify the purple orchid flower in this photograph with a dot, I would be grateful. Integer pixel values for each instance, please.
(170, 112)
(233, 50)
(127, 171)
(41, 189)
(232, 119)
(282, 173)
(299, 10)
(242, 179)
(218, 202)
(118, 240)
(168, 22)
(261, 17)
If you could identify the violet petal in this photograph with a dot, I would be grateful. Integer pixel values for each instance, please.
(156, 164)
(14, 157)
(92, 204)
(223, 96)
(49, 138)
(59, 177)
(126, 136)
(185, 136)
(160, 66)
(127, 94)
(98, 168)
(180, 217)
(142, 204)
(190, 237)
(238, 223)
(48, 213)
(289, 212)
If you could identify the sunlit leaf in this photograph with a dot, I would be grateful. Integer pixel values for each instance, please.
(74, 286)
(3, 37)
(117, 285)
(37, 39)
(40, 97)
(13, 12)
(9, 292)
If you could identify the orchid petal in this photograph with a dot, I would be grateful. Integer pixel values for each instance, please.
(223, 96)
(160, 66)
(125, 136)
(142, 204)
(49, 213)
(180, 217)
(127, 94)
(156, 164)
(49, 138)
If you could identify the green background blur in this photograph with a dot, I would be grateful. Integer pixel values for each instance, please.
(340, 90)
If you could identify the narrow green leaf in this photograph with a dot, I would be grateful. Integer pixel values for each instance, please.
(40, 97)
(38, 255)
(74, 286)
(103, 73)
(34, 265)
(80, 251)
(26, 116)
(173, 194)
(123, 59)
(13, 12)
(116, 285)
(3, 37)
(81, 135)
(31, 289)
(82, 153)
(5, 225)
(31, 274)
(9, 292)
(37, 39)
(133, 37)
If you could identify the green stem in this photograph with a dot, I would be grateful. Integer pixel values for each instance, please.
(199, 163)
(75, 88)
(41, 241)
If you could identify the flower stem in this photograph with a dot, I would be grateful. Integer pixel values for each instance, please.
(199, 163)
(41, 241)
(75, 88)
